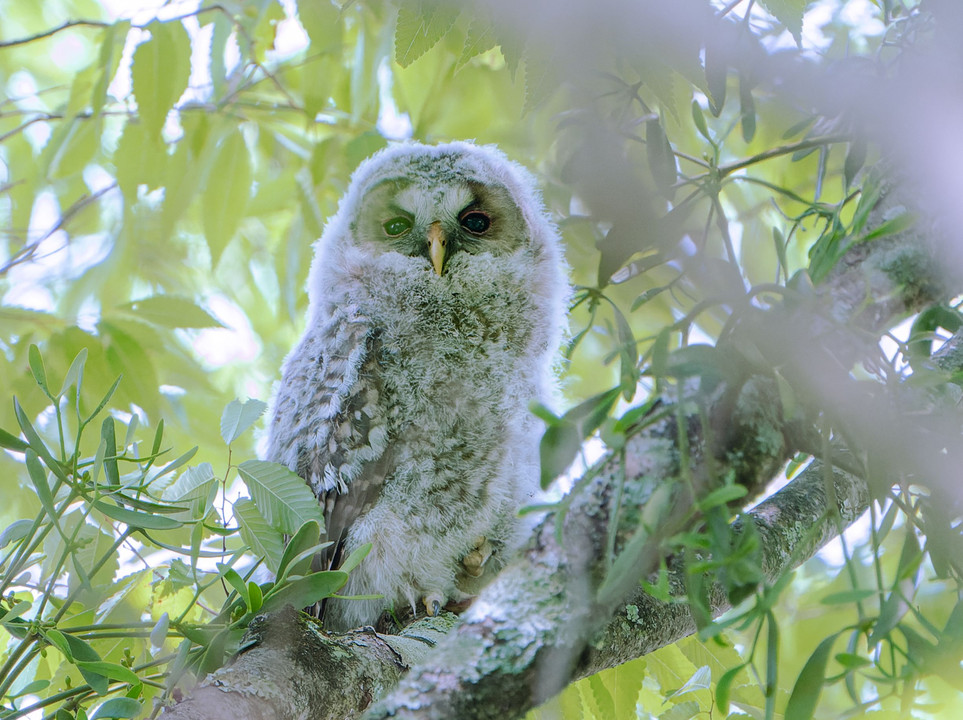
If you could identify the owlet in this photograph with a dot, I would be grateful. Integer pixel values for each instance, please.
(436, 306)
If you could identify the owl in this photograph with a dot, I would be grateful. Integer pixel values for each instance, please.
(437, 298)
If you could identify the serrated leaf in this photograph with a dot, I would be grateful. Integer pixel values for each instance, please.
(322, 23)
(421, 24)
(171, 311)
(305, 590)
(283, 498)
(479, 38)
(119, 707)
(226, 195)
(238, 417)
(264, 540)
(682, 711)
(160, 71)
(789, 13)
(809, 684)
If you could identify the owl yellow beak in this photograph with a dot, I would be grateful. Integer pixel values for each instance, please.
(437, 243)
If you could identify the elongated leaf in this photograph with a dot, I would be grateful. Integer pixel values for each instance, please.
(322, 22)
(12, 442)
(111, 671)
(136, 519)
(283, 498)
(17, 530)
(662, 162)
(36, 367)
(239, 416)
(110, 451)
(355, 558)
(33, 439)
(158, 633)
(171, 311)
(305, 590)
(264, 540)
(160, 71)
(226, 195)
(809, 684)
(305, 538)
(173, 464)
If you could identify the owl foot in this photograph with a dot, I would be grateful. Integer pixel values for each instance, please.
(474, 561)
(433, 603)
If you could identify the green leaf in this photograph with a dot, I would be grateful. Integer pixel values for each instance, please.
(17, 530)
(37, 368)
(74, 372)
(264, 540)
(281, 496)
(662, 161)
(355, 558)
(717, 72)
(421, 24)
(893, 226)
(195, 488)
(747, 109)
(111, 471)
(171, 311)
(682, 711)
(160, 72)
(236, 582)
(699, 118)
(307, 537)
(724, 687)
(257, 599)
(74, 648)
(238, 417)
(119, 707)
(158, 633)
(305, 590)
(136, 519)
(847, 596)
(789, 13)
(722, 496)
(39, 478)
(12, 442)
(557, 449)
(226, 195)
(322, 22)
(111, 671)
(809, 684)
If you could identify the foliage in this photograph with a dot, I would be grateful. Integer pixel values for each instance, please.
(163, 181)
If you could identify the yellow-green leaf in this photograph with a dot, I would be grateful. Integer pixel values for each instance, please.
(159, 73)
(227, 192)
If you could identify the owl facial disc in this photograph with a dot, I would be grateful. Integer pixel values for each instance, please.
(436, 246)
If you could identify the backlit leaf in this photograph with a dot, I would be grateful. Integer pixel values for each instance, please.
(159, 73)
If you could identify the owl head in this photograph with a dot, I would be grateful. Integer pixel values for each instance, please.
(431, 209)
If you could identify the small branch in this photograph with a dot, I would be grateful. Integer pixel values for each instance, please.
(53, 31)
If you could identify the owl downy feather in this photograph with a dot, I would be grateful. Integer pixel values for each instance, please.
(437, 301)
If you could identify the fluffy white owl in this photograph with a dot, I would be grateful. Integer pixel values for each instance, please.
(437, 302)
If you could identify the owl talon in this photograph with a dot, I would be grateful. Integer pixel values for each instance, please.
(433, 604)
(474, 561)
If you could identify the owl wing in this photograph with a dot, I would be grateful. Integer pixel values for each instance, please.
(328, 426)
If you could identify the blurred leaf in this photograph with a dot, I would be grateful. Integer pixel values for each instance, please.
(747, 109)
(37, 368)
(12, 442)
(421, 24)
(855, 159)
(789, 13)
(159, 72)
(17, 530)
(171, 311)
(226, 195)
(322, 22)
(238, 417)
(809, 684)
(136, 519)
(662, 162)
(716, 77)
(159, 632)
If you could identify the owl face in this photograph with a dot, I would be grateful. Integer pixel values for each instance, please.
(438, 220)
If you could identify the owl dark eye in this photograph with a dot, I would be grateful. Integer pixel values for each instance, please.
(397, 226)
(475, 222)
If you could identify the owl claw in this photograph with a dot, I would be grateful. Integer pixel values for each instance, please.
(433, 604)
(474, 561)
